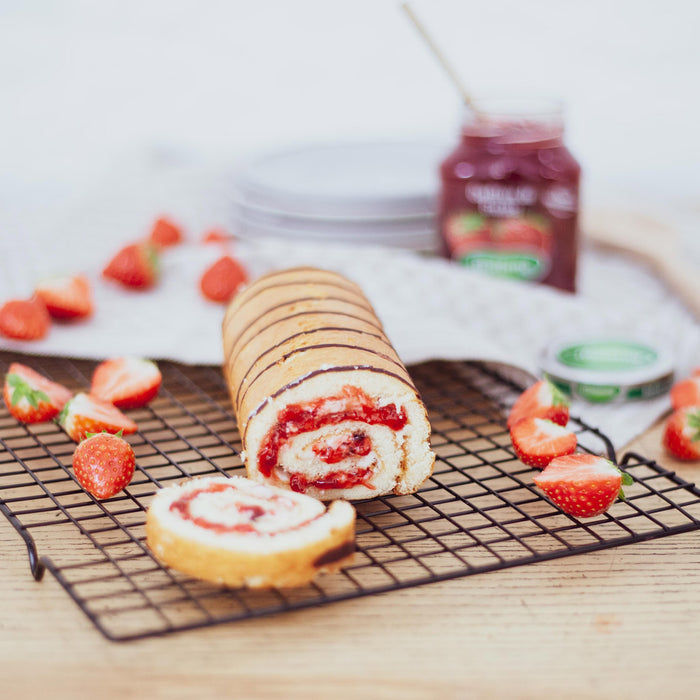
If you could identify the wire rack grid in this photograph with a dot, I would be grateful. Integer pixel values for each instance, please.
(478, 512)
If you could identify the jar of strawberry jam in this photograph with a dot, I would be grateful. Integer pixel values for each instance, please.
(510, 194)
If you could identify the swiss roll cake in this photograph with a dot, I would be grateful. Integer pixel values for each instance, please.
(324, 405)
(236, 532)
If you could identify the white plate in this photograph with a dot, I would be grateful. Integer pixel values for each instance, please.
(422, 239)
(362, 180)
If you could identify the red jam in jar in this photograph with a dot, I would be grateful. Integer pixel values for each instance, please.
(510, 195)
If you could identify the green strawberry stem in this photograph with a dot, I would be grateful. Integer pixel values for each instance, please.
(558, 396)
(627, 480)
(22, 390)
(103, 432)
(694, 422)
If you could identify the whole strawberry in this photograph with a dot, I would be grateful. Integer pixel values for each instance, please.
(24, 319)
(582, 485)
(103, 464)
(135, 266)
(682, 433)
(223, 279)
(30, 397)
(165, 233)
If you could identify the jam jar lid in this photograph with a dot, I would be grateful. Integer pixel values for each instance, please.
(608, 368)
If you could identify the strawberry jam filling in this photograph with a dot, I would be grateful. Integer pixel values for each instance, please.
(358, 444)
(332, 480)
(249, 512)
(351, 404)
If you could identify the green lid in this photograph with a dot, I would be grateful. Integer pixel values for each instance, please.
(607, 369)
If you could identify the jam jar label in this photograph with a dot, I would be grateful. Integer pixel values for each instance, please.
(494, 199)
(501, 237)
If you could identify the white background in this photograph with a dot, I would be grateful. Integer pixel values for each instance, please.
(83, 82)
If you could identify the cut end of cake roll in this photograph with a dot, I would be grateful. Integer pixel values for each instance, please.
(324, 404)
(236, 532)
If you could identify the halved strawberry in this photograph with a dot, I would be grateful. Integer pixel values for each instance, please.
(541, 400)
(222, 280)
(686, 392)
(86, 414)
(136, 265)
(126, 382)
(104, 464)
(31, 397)
(582, 485)
(24, 319)
(682, 433)
(165, 233)
(537, 441)
(66, 297)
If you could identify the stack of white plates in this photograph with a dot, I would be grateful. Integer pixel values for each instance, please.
(382, 193)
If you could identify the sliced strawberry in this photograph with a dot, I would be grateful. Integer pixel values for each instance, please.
(541, 400)
(686, 392)
(66, 297)
(126, 382)
(136, 266)
(582, 485)
(537, 441)
(165, 233)
(104, 464)
(682, 433)
(24, 319)
(222, 280)
(32, 398)
(86, 414)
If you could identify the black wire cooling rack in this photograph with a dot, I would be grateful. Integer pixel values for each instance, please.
(478, 512)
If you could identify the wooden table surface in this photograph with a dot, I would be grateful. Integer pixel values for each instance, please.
(621, 623)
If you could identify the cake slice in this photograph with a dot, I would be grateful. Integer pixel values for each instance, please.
(236, 532)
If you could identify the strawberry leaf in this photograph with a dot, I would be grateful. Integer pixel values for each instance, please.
(22, 390)
(103, 432)
(558, 396)
(17, 395)
(14, 380)
(153, 258)
(63, 415)
(19, 387)
(40, 396)
(626, 481)
(693, 418)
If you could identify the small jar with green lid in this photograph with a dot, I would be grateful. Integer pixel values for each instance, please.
(608, 369)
